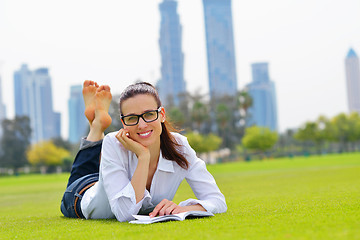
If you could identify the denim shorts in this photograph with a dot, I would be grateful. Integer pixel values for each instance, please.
(70, 203)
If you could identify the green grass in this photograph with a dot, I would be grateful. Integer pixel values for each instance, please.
(299, 198)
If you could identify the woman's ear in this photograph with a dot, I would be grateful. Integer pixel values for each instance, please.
(162, 114)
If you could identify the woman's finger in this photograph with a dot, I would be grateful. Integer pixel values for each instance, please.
(170, 210)
(158, 208)
(167, 208)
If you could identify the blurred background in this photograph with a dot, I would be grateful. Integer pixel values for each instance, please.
(244, 80)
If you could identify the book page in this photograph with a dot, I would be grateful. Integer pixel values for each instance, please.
(144, 219)
(148, 218)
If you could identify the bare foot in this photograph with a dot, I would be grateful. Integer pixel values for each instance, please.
(89, 90)
(103, 99)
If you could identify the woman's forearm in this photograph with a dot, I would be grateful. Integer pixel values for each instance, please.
(196, 207)
(139, 178)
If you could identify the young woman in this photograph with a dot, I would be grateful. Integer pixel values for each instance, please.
(142, 165)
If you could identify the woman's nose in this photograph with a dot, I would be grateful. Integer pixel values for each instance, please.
(142, 123)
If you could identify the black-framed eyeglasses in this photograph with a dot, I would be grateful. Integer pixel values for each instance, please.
(133, 119)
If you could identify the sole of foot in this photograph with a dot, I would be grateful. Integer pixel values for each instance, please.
(89, 91)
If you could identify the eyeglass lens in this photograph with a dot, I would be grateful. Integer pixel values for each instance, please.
(149, 116)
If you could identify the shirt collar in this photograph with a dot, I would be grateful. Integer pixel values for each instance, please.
(165, 165)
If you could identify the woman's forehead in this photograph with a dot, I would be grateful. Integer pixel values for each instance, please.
(138, 104)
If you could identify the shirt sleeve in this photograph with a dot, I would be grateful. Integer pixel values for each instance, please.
(203, 184)
(114, 170)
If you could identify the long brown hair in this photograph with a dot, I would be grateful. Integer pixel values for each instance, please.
(170, 149)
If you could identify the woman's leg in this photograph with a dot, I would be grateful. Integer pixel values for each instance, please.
(87, 160)
(85, 168)
(97, 101)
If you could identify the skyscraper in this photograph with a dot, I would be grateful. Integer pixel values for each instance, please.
(353, 81)
(33, 98)
(220, 48)
(2, 109)
(172, 83)
(78, 123)
(264, 109)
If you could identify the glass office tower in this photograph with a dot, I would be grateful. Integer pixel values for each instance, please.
(172, 84)
(220, 48)
(353, 81)
(78, 124)
(263, 112)
(33, 98)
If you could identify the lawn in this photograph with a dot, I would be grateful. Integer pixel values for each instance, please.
(298, 198)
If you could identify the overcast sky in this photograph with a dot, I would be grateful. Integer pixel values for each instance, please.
(115, 42)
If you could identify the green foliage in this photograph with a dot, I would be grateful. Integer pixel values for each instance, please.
(59, 142)
(342, 128)
(259, 138)
(199, 114)
(203, 143)
(224, 116)
(244, 102)
(114, 112)
(46, 153)
(346, 128)
(176, 116)
(14, 142)
(299, 198)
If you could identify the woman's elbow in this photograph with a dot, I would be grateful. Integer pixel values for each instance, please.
(124, 217)
(223, 207)
(122, 214)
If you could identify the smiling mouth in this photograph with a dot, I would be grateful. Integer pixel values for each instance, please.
(145, 134)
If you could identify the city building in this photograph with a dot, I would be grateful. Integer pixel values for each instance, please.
(353, 81)
(78, 124)
(171, 86)
(263, 111)
(220, 48)
(2, 109)
(33, 98)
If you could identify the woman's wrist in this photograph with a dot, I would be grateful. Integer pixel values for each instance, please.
(144, 156)
(196, 207)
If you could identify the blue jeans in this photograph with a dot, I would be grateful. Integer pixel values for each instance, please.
(84, 174)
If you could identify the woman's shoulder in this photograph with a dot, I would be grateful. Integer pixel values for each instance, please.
(180, 139)
(183, 142)
(178, 136)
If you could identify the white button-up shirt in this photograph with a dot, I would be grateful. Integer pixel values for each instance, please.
(114, 196)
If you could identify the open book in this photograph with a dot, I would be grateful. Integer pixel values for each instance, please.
(143, 219)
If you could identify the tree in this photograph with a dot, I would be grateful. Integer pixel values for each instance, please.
(199, 114)
(114, 112)
(224, 117)
(14, 142)
(259, 138)
(46, 154)
(317, 132)
(59, 142)
(203, 143)
(176, 116)
(354, 124)
(212, 142)
(346, 129)
(287, 144)
(244, 102)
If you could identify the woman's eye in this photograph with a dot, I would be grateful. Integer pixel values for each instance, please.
(132, 119)
(149, 115)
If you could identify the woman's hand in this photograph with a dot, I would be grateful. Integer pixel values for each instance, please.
(166, 207)
(130, 144)
(140, 176)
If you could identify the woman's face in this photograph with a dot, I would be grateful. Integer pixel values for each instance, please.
(145, 133)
